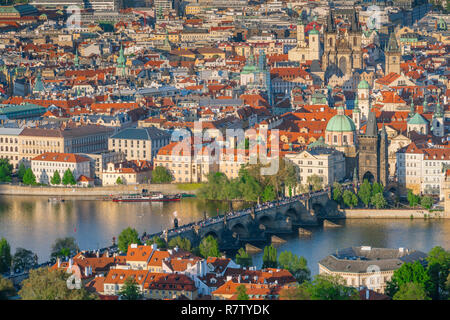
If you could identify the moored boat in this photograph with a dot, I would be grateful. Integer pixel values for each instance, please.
(144, 197)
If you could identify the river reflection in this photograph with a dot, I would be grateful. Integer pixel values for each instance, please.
(34, 223)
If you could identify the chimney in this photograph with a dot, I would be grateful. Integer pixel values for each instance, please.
(98, 254)
(59, 262)
(367, 294)
(70, 262)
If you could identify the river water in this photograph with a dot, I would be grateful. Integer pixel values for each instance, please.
(34, 223)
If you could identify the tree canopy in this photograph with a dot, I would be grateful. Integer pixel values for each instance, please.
(182, 243)
(5, 170)
(7, 289)
(408, 273)
(127, 237)
(209, 247)
(243, 258)
(270, 257)
(411, 291)
(24, 259)
(130, 290)
(241, 291)
(161, 175)
(56, 178)
(29, 178)
(68, 178)
(64, 247)
(296, 265)
(5, 255)
(47, 284)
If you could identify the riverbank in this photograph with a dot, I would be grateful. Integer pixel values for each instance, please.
(391, 214)
(169, 188)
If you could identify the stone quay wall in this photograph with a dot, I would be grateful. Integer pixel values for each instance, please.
(391, 214)
(8, 189)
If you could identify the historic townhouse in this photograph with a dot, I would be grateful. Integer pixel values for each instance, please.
(45, 165)
(139, 143)
(9, 145)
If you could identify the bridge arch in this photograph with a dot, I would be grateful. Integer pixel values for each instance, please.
(240, 230)
(266, 221)
(211, 233)
(292, 213)
(369, 177)
(318, 209)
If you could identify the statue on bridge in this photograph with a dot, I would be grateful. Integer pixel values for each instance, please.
(175, 223)
(252, 213)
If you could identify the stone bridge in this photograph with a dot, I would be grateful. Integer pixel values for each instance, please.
(258, 223)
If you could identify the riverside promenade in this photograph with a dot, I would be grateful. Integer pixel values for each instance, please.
(10, 189)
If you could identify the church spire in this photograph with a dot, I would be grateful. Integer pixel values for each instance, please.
(76, 60)
(392, 45)
(425, 105)
(412, 110)
(438, 112)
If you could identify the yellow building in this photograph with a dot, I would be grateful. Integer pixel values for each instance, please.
(173, 37)
(193, 9)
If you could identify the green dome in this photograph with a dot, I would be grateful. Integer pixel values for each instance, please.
(363, 84)
(313, 31)
(341, 123)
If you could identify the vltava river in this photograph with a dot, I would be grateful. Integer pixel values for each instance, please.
(34, 223)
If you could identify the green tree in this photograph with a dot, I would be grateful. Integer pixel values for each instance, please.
(24, 259)
(426, 202)
(315, 181)
(47, 284)
(378, 201)
(411, 291)
(296, 265)
(68, 178)
(243, 258)
(349, 199)
(161, 175)
(158, 241)
(64, 247)
(241, 291)
(5, 170)
(249, 186)
(130, 290)
(214, 188)
(209, 247)
(268, 194)
(56, 179)
(438, 269)
(182, 243)
(365, 192)
(377, 188)
(338, 192)
(119, 180)
(5, 255)
(29, 178)
(413, 199)
(298, 292)
(330, 287)
(408, 273)
(127, 237)
(21, 171)
(7, 289)
(270, 257)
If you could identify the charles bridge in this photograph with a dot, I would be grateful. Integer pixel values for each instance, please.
(259, 223)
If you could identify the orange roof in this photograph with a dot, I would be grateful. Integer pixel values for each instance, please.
(60, 157)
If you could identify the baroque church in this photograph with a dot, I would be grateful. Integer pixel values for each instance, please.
(305, 49)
